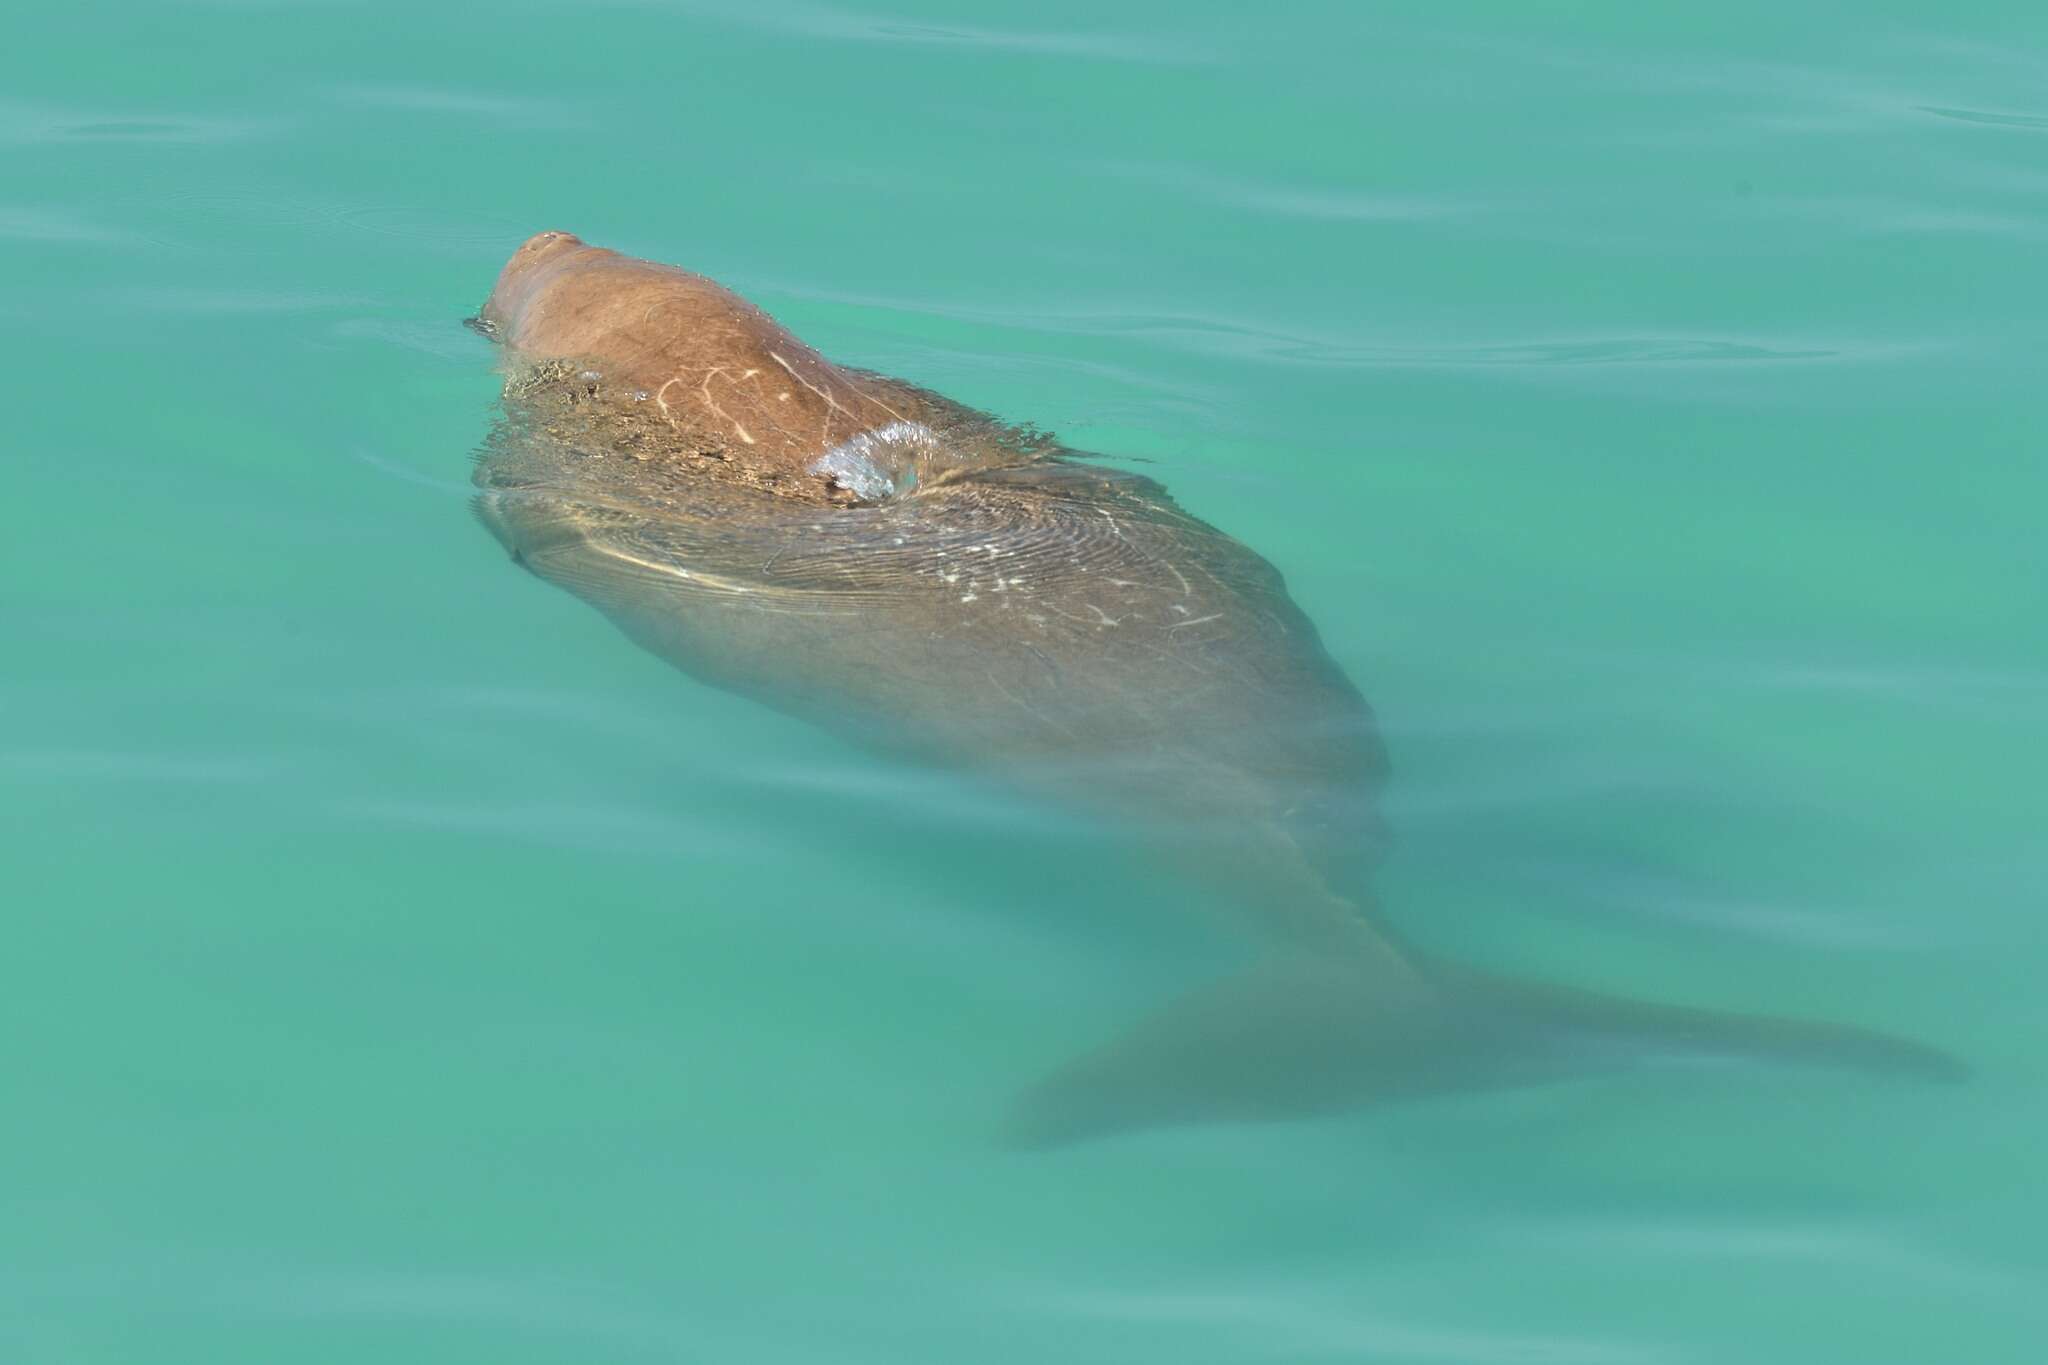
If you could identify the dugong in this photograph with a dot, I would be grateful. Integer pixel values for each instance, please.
(936, 585)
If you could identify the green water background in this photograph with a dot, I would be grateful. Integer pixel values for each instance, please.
(399, 966)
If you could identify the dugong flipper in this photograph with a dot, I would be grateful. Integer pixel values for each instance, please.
(927, 582)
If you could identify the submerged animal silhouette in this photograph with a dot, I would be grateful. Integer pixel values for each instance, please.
(919, 578)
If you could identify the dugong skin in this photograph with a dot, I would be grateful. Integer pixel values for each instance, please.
(1010, 610)
(724, 374)
(1063, 624)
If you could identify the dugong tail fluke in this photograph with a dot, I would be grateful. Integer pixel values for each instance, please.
(1303, 1034)
(1581, 1020)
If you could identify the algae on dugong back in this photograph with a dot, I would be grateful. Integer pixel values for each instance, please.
(928, 582)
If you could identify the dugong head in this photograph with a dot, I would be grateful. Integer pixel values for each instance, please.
(522, 273)
(686, 352)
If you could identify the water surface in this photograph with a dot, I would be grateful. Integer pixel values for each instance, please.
(402, 966)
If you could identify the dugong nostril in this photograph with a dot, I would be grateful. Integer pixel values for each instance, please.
(875, 464)
(549, 238)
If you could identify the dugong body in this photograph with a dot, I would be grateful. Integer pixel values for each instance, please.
(929, 583)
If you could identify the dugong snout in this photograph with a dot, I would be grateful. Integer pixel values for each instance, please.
(538, 247)
(522, 271)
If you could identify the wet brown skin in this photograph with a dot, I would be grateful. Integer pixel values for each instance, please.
(723, 376)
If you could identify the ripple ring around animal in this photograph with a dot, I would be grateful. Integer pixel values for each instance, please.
(932, 584)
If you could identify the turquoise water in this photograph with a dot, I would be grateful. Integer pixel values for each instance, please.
(401, 966)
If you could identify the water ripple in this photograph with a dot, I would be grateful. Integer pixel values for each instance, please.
(1869, 213)
(1316, 203)
(530, 1304)
(1245, 340)
(587, 825)
(2035, 121)
(406, 474)
(468, 232)
(1241, 342)
(442, 340)
(1303, 1322)
(431, 100)
(52, 225)
(131, 766)
(1673, 900)
(35, 123)
(819, 21)
(1874, 1250)
(197, 300)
